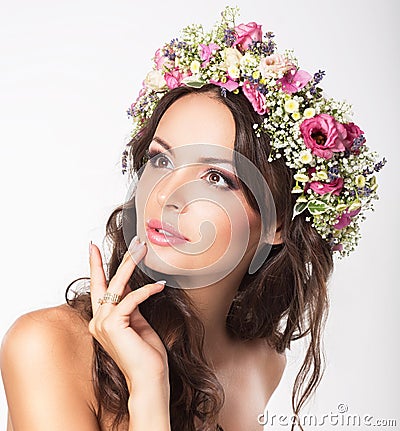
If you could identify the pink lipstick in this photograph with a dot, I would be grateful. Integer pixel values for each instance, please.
(163, 234)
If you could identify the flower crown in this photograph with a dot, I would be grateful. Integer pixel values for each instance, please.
(333, 168)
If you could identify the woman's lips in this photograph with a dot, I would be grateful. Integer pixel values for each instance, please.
(163, 234)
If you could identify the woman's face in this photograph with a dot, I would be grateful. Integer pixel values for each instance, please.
(186, 188)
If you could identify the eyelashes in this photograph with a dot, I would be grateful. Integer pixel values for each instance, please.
(155, 157)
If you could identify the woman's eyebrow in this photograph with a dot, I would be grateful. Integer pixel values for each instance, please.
(211, 160)
(164, 144)
(215, 160)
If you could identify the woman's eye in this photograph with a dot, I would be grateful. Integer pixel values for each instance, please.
(219, 180)
(158, 160)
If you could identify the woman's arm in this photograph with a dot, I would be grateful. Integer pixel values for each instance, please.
(149, 406)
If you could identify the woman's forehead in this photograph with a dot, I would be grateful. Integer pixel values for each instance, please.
(196, 119)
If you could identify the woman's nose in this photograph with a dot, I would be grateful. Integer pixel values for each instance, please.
(173, 189)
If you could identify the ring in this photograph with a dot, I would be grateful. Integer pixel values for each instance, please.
(111, 298)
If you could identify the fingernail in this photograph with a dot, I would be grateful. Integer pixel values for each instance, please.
(161, 282)
(135, 244)
(90, 248)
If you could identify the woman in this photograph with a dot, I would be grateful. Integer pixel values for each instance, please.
(245, 251)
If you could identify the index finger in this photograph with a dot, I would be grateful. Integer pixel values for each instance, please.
(135, 252)
(98, 282)
(119, 282)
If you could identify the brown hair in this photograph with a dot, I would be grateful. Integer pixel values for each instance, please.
(284, 300)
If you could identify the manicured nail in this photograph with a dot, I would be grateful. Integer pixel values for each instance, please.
(161, 282)
(135, 244)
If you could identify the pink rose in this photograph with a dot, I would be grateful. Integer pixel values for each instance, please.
(246, 34)
(230, 84)
(294, 80)
(353, 132)
(256, 98)
(345, 219)
(173, 79)
(206, 51)
(335, 186)
(323, 135)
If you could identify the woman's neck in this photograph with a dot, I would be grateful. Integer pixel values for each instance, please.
(212, 304)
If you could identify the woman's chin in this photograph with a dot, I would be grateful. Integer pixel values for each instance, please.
(165, 266)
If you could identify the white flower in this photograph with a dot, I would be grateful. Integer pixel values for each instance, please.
(322, 175)
(305, 156)
(355, 205)
(155, 80)
(360, 181)
(309, 113)
(195, 67)
(301, 198)
(248, 60)
(234, 72)
(291, 106)
(274, 65)
(301, 177)
(231, 57)
(297, 189)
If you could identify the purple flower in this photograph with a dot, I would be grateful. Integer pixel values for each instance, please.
(337, 247)
(345, 219)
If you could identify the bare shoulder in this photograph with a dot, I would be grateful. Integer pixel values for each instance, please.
(56, 335)
(50, 349)
(49, 329)
(275, 362)
(267, 363)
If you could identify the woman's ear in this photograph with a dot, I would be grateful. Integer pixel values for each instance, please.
(264, 250)
(278, 237)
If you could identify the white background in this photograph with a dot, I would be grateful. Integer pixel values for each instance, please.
(68, 72)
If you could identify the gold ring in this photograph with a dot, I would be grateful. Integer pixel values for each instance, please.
(111, 298)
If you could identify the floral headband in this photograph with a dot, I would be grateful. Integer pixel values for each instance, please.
(333, 168)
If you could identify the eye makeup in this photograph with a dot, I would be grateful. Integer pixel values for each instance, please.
(156, 157)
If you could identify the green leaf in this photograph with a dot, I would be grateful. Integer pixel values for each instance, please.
(299, 208)
(317, 207)
(194, 84)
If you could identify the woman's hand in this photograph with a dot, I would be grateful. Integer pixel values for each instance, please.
(120, 328)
